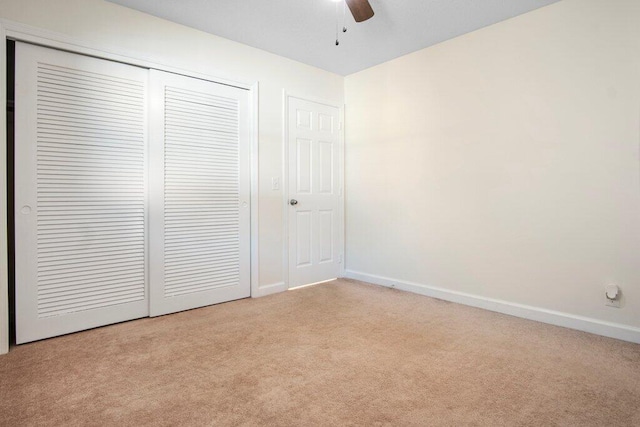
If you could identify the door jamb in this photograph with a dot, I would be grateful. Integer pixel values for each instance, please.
(4, 242)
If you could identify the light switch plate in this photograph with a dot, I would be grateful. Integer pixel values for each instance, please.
(275, 183)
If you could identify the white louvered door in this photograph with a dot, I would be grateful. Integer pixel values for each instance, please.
(200, 187)
(80, 192)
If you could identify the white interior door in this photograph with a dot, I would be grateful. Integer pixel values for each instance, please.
(314, 187)
(200, 193)
(80, 192)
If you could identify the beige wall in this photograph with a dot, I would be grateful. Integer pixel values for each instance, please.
(159, 41)
(505, 163)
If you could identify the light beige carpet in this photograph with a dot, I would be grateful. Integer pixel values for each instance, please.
(342, 353)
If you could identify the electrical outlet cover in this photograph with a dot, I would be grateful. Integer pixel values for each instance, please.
(612, 303)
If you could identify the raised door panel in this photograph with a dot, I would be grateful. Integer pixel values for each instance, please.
(303, 172)
(326, 166)
(326, 235)
(304, 241)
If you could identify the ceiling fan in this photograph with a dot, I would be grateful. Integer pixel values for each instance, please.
(360, 9)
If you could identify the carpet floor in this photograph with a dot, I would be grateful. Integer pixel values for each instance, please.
(342, 353)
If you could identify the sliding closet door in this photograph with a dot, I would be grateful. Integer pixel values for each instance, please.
(80, 192)
(200, 179)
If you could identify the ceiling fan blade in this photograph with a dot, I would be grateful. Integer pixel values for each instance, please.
(360, 9)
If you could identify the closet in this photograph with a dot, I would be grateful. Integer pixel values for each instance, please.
(131, 192)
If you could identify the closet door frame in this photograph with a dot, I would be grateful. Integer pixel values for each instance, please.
(14, 31)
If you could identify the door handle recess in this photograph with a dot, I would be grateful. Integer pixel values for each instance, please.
(293, 202)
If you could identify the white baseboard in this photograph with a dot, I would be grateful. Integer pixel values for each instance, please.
(265, 290)
(586, 324)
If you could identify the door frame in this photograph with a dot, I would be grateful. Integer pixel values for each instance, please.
(10, 30)
(286, 214)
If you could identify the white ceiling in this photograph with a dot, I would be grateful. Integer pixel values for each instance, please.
(304, 30)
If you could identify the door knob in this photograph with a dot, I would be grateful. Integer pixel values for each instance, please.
(293, 202)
